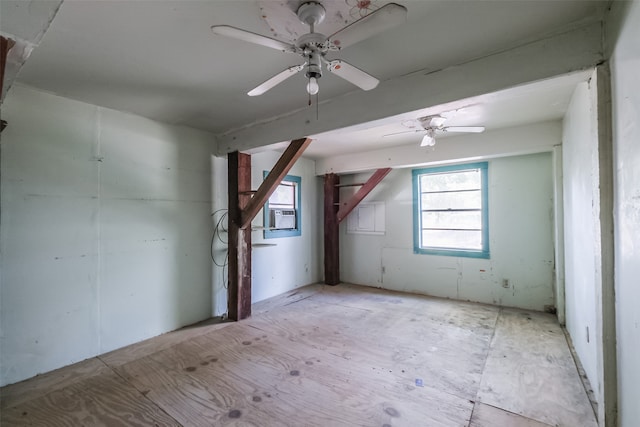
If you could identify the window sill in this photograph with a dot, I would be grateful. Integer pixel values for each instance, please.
(453, 252)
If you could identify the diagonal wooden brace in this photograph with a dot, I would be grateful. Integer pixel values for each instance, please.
(271, 182)
(362, 193)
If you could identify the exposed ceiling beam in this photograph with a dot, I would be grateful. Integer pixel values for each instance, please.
(24, 23)
(563, 53)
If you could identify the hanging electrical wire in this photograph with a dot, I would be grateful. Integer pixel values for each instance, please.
(218, 230)
(224, 275)
(217, 234)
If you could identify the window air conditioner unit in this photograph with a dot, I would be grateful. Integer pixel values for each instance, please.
(283, 218)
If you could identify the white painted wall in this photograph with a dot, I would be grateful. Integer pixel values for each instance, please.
(105, 231)
(623, 37)
(293, 261)
(581, 226)
(521, 240)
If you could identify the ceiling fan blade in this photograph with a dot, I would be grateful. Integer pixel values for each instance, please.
(352, 74)
(276, 80)
(380, 20)
(468, 129)
(404, 131)
(247, 36)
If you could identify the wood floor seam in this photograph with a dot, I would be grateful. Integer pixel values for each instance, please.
(484, 364)
(517, 415)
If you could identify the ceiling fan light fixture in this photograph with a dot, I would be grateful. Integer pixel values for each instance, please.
(312, 86)
(428, 140)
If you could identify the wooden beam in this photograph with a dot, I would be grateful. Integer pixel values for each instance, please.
(362, 193)
(242, 209)
(239, 289)
(5, 46)
(575, 49)
(607, 366)
(271, 182)
(355, 184)
(331, 236)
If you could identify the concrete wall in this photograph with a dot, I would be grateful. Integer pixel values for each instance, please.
(581, 225)
(623, 38)
(288, 262)
(105, 231)
(520, 233)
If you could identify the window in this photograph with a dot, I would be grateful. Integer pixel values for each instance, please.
(282, 213)
(450, 211)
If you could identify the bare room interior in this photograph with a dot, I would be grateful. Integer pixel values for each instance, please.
(320, 213)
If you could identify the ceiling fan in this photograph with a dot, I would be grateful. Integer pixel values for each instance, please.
(314, 46)
(429, 125)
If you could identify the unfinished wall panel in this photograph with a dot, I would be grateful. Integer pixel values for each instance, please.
(105, 231)
(622, 36)
(520, 233)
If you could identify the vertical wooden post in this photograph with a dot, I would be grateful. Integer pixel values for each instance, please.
(239, 304)
(331, 238)
(5, 46)
(242, 209)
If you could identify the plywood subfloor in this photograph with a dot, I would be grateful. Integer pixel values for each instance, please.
(326, 356)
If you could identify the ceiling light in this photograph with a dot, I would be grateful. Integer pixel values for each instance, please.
(429, 139)
(312, 86)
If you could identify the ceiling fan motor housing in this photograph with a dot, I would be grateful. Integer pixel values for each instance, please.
(313, 48)
(314, 68)
(429, 122)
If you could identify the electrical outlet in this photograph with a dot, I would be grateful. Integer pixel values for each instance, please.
(505, 283)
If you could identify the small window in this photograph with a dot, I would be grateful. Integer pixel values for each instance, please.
(450, 210)
(282, 213)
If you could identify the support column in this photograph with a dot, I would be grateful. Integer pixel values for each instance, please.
(5, 46)
(239, 305)
(242, 209)
(334, 214)
(331, 238)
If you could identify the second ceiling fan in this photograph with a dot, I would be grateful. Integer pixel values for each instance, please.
(430, 125)
(313, 46)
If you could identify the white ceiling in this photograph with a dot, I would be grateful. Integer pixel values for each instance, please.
(159, 59)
